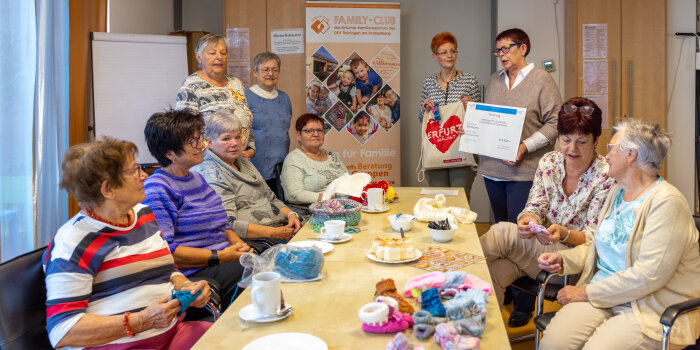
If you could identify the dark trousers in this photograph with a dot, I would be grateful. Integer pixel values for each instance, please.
(227, 274)
(508, 199)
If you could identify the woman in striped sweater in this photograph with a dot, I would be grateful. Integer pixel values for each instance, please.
(109, 273)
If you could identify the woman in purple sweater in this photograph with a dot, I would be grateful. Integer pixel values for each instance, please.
(188, 211)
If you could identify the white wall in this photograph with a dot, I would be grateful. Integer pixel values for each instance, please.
(204, 15)
(141, 16)
(470, 22)
(680, 55)
(537, 19)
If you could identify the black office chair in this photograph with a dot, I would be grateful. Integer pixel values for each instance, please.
(23, 303)
(278, 181)
(667, 318)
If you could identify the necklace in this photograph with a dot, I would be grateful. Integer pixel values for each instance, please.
(315, 155)
(99, 218)
(453, 75)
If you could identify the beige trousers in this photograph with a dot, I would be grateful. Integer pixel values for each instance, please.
(583, 326)
(510, 257)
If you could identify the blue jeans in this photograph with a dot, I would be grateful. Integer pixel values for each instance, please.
(507, 198)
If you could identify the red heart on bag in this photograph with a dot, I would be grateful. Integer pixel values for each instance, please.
(442, 136)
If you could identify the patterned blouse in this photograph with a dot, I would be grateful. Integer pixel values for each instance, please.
(580, 210)
(462, 84)
(198, 96)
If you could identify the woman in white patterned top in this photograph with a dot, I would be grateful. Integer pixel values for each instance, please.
(448, 86)
(209, 89)
(569, 189)
(309, 169)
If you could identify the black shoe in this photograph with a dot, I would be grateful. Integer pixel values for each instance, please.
(518, 318)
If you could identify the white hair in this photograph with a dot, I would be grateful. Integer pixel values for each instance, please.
(221, 122)
(649, 140)
(208, 40)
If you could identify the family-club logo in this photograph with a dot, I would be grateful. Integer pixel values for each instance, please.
(320, 25)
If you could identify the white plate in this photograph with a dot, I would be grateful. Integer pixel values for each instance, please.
(380, 210)
(418, 255)
(344, 238)
(287, 280)
(248, 314)
(287, 341)
(325, 247)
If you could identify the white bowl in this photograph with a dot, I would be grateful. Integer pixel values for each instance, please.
(443, 236)
(398, 225)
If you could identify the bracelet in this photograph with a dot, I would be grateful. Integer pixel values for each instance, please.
(568, 233)
(127, 329)
(184, 283)
(292, 213)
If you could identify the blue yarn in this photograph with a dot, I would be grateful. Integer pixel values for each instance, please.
(422, 316)
(299, 264)
(469, 327)
(423, 331)
(430, 301)
(185, 297)
(453, 279)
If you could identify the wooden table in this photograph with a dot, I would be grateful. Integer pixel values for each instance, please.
(328, 308)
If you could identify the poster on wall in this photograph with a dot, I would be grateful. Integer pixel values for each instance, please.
(353, 82)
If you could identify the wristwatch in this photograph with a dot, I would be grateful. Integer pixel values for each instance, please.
(214, 258)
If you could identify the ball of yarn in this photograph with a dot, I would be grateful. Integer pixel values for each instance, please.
(300, 263)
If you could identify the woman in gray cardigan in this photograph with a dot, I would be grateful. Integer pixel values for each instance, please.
(251, 207)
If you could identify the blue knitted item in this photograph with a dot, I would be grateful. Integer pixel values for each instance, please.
(299, 264)
(423, 331)
(453, 279)
(469, 327)
(430, 301)
(185, 297)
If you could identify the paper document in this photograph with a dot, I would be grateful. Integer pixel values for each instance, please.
(434, 191)
(492, 130)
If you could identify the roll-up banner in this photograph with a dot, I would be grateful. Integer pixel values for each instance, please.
(353, 81)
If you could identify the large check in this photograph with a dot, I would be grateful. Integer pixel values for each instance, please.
(492, 130)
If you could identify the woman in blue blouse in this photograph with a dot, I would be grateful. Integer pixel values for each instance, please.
(272, 113)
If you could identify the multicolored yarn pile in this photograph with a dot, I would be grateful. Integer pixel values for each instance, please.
(335, 209)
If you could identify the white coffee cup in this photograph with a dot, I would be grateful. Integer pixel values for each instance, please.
(375, 198)
(333, 229)
(266, 293)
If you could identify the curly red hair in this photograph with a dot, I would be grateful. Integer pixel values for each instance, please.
(442, 38)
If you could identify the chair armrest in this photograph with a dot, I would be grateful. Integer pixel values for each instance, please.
(672, 312)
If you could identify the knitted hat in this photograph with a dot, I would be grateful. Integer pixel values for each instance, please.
(387, 287)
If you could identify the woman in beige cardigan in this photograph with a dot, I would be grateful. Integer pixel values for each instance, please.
(643, 259)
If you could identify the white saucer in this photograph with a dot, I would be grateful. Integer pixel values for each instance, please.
(247, 314)
(417, 255)
(287, 341)
(324, 246)
(380, 210)
(344, 238)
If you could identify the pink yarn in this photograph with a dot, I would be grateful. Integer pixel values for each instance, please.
(429, 280)
(446, 335)
(473, 282)
(397, 322)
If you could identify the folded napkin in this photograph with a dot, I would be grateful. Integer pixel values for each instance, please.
(347, 184)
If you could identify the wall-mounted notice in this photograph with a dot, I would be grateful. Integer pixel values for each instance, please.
(287, 41)
(595, 41)
(595, 77)
(239, 41)
(240, 70)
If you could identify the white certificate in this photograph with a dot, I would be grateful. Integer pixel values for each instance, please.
(492, 130)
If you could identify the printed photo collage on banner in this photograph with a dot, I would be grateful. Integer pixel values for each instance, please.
(350, 95)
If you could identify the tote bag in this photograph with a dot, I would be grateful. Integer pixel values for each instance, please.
(440, 140)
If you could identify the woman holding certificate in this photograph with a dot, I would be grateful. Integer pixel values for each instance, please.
(519, 84)
(445, 87)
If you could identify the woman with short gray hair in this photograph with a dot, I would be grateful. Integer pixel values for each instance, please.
(643, 259)
(210, 89)
(252, 208)
(272, 115)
